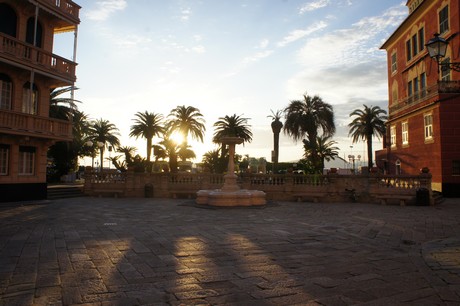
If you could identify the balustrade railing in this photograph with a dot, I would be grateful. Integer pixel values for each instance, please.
(279, 186)
(66, 7)
(106, 177)
(39, 59)
(32, 124)
(425, 94)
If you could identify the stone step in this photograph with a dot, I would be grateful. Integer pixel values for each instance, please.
(63, 192)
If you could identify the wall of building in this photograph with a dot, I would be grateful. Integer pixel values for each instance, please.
(15, 186)
(436, 153)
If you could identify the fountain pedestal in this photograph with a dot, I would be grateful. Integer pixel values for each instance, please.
(231, 194)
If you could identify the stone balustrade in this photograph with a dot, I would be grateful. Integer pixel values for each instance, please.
(33, 125)
(66, 7)
(287, 187)
(20, 52)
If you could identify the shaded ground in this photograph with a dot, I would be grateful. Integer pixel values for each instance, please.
(99, 251)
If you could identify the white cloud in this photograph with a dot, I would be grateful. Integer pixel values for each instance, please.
(352, 45)
(132, 41)
(298, 34)
(185, 14)
(263, 44)
(199, 49)
(354, 69)
(314, 5)
(197, 37)
(258, 56)
(247, 61)
(105, 8)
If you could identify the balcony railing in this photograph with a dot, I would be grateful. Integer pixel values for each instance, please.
(66, 7)
(425, 94)
(36, 58)
(35, 126)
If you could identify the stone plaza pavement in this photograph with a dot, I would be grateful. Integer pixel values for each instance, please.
(104, 251)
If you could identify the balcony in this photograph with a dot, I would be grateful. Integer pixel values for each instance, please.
(34, 126)
(442, 87)
(64, 8)
(26, 56)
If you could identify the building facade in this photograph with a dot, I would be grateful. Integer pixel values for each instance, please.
(29, 71)
(423, 129)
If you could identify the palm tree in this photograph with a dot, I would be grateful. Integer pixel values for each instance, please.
(212, 161)
(186, 120)
(277, 125)
(368, 122)
(308, 118)
(64, 154)
(185, 152)
(325, 149)
(170, 150)
(232, 126)
(147, 125)
(128, 152)
(62, 108)
(103, 134)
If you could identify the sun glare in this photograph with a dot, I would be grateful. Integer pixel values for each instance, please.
(177, 137)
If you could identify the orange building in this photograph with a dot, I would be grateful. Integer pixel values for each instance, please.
(28, 72)
(423, 129)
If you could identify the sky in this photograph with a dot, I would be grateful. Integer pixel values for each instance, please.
(226, 57)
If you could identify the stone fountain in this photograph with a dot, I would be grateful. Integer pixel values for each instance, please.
(231, 194)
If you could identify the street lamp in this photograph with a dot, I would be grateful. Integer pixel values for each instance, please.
(352, 159)
(89, 144)
(437, 48)
(100, 145)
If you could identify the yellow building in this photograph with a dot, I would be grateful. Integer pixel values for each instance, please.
(29, 71)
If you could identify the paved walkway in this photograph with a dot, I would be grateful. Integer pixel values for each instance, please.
(99, 251)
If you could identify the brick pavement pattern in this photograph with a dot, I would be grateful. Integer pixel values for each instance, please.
(100, 251)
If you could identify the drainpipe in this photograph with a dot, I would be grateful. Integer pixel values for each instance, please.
(32, 72)
(74, 58)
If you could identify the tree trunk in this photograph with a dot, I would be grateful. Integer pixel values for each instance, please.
(149, 148)
(369, 152)
(276, 142)
(314, 152)
(102, 156)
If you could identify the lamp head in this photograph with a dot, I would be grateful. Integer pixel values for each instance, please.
(437, 47)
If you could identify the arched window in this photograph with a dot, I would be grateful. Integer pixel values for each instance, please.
(8, 20)
(30, 32)
(29, 99)
(6, 89)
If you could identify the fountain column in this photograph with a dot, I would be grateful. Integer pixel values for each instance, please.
(231, 194)
(230, 178)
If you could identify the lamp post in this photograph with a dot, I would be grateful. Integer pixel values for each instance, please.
(100, 145)
(437, 48)
(352, 159)
(89, 144)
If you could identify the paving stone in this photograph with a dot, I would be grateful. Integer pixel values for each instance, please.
(160, 252)
(195, 294)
